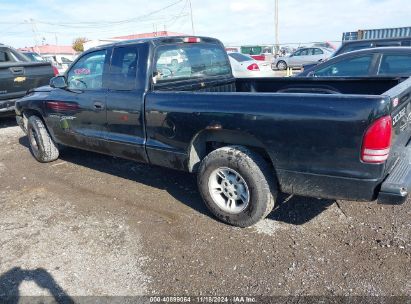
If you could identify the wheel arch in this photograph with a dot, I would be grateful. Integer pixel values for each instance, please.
(26, 113)
(208, 140)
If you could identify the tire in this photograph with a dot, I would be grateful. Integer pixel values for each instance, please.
(282, 65)
(174, 63)
(42, 145)
(253, 191)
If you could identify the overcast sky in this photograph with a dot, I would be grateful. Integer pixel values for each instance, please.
(235, 22)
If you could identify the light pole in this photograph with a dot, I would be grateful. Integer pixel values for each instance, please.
(192, 19)
(277, 43)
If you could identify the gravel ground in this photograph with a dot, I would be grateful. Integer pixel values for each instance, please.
(89, 224)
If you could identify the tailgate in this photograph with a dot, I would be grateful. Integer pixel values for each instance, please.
(16, 78)
(400, 109)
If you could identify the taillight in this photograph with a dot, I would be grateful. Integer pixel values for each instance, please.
(253, 67)
(55, 70)
(377, 141)
(62, 106)
(191, 40)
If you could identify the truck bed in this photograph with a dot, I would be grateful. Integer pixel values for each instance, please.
(361, 86)
(312, 128)
(327, 85)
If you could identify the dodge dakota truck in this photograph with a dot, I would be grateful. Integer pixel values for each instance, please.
(246, 139)
(17, 75)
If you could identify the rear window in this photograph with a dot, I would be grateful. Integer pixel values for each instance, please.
(188, 61)
(240, 57)
(354, 47)
(395, 64)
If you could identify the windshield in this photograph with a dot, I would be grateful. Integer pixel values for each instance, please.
(179, 62)
(34, 57)
(66, 60)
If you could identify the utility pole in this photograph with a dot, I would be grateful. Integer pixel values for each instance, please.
(192, 19)
(34, 30)
(277, 40)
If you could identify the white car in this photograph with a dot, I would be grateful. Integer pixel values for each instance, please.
(172, 58)
(244, 66)
(61, 62)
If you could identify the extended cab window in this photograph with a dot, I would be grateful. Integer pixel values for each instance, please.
(8, 56)
(353, 67)
(3, 56)
(187, 61)
(87, 73)
(395, 64)
(123, 69)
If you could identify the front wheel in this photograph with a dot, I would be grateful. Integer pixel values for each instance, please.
(282, 65)
(237, 185)
(42, 145)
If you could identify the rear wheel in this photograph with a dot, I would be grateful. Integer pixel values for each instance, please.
(282, 65)
(237, 185)
(42, 145)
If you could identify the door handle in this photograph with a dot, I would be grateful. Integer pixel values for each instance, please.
(98, 105)
(17, 70)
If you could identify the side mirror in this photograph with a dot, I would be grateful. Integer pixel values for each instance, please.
(58, 82)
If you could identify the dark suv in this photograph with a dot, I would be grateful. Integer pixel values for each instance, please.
(355, 45)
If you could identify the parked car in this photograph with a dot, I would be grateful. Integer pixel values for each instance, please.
(301, 57)
(17, 75)
(245, 66)
(247, 139)
(172, 57)
(349, 46)
(32, 56)
(382, 61)
(61, 62)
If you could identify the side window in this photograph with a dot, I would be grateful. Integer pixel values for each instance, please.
(357, 66)
(297, 53)
(305, 52)
(8, 56)
(123, 69)
(395, 64)
(3, 56)
(87, 73)
(317, 52)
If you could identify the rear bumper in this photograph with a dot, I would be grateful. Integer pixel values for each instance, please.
(397, 185)
(7, 107)
(326, 186)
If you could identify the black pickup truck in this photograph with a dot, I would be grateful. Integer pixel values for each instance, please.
(17, 75)
(173, 102)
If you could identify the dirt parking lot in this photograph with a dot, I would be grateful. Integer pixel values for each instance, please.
(90, 224)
